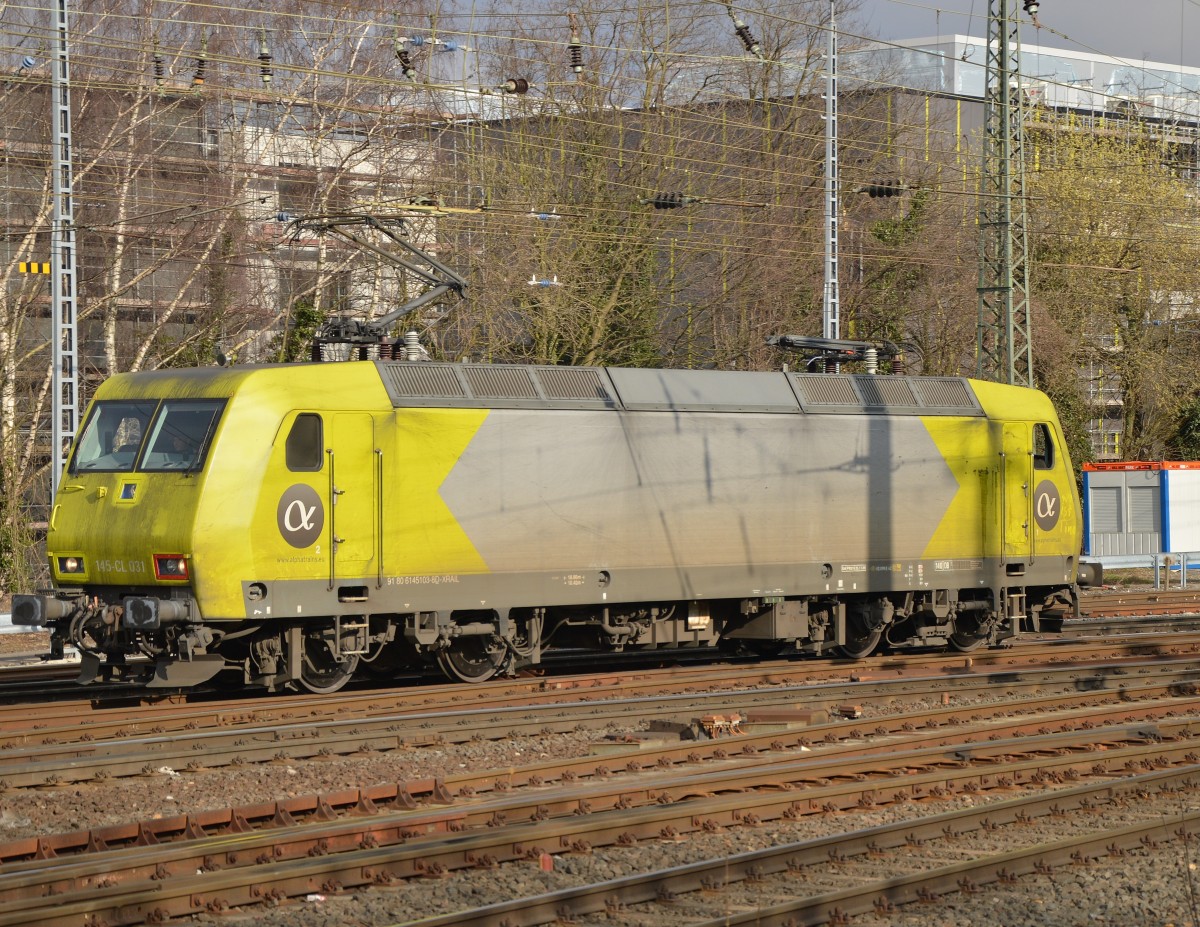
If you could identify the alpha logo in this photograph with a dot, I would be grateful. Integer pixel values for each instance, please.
(300, 515)
(1046, 505)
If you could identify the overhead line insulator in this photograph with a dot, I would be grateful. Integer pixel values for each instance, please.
(575, 48)
(201, 63)
(669, 200)
(406, 63)
(264, 58)
(444, 45)
(742, 31)
(883, 188)
(159, 71)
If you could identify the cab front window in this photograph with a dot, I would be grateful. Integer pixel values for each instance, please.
(180, 435)
(121, 436)
(112, 437)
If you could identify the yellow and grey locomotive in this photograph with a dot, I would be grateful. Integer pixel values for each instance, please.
(293, 523)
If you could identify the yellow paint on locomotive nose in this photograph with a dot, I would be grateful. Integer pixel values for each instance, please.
(963, 531)
(425, 534)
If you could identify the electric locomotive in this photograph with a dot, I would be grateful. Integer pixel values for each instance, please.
(290, 525)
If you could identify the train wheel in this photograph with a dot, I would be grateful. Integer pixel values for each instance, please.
(965, 642)
(968, 635)
(473, 658)
(860, 641)
(320, 671)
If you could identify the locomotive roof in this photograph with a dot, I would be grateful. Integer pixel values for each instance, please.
(450, 385)
(644, 389)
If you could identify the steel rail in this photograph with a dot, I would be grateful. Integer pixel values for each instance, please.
(99, 700)
(393, 705)
(231, 872)
(925, 724)
(880, 896)
(52, 764)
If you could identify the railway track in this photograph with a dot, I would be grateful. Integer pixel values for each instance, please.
(477, 825)
(134, 740)
(791, 876)
(30, 676)
(769, 731)
(1154, 602)
(1093, 720)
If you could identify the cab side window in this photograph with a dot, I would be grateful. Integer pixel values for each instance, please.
(1043, 448)
(305, 443)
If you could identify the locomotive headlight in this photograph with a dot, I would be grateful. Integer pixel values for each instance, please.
(171, 566)
(70, 564)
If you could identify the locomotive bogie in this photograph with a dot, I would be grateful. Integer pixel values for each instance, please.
(327, 519)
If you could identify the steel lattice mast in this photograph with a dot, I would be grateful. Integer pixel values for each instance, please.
(831, 326)
(63, 333)
(1003, 347)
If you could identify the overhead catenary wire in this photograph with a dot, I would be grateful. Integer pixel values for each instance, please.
(784, 186)
(849, 34)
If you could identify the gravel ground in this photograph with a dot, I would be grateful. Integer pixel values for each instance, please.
(1142, 888)
(1149, 887)
(12, 642)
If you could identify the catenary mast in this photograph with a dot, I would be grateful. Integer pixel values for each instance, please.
(64, 332)
(1003, 347)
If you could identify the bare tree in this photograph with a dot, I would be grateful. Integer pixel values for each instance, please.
(1117, 269)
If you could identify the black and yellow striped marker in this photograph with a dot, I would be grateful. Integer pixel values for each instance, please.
(34, 267)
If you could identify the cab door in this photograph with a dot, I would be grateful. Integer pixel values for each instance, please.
(353, 494)
(1016, 473)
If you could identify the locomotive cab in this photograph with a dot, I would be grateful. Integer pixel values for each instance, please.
(120, 544)
(188, 495)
